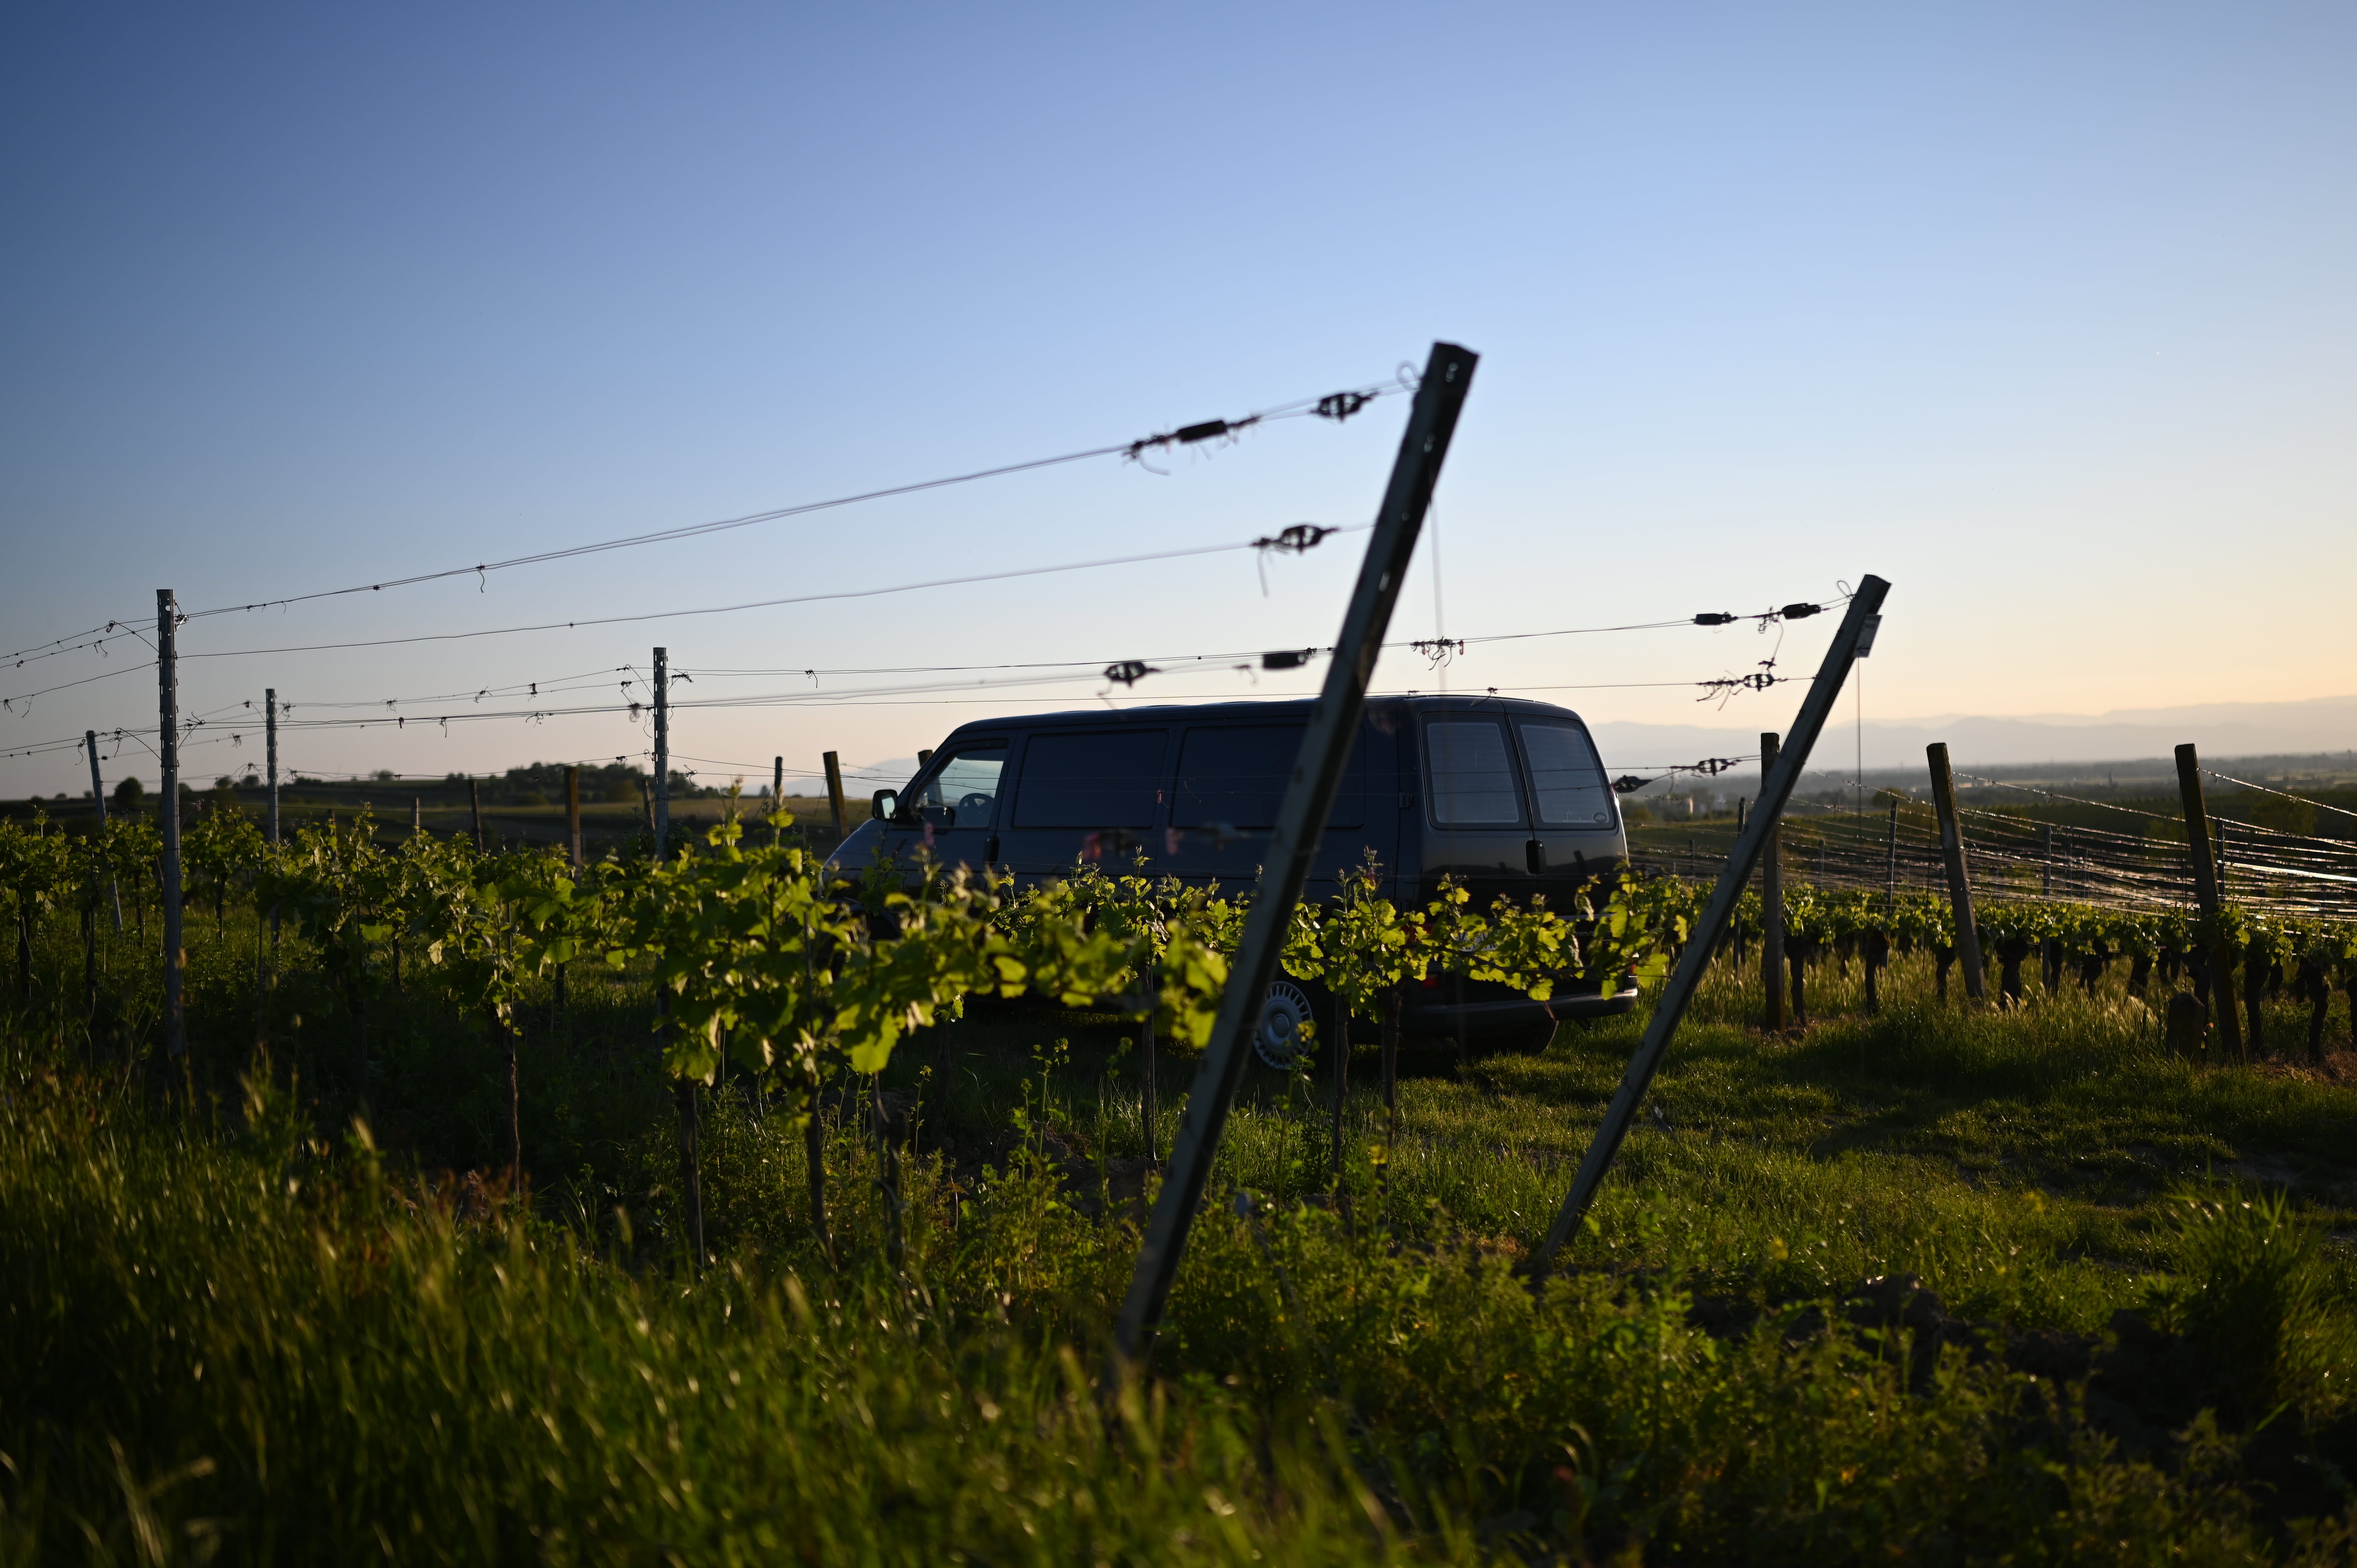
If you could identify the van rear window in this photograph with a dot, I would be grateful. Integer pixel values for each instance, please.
(1106, 779)
(1567, 781)
(1472, 773)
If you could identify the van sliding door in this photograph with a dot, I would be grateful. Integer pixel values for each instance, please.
(1225, 797)
(1085, 795)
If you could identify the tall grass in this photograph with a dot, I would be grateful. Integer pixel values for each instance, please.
(232, 1325)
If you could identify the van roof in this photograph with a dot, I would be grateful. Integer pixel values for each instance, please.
(1271, 708)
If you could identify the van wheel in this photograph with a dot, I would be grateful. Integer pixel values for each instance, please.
(1278, 1038)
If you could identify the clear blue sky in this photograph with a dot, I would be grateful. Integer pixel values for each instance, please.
(2043, 312)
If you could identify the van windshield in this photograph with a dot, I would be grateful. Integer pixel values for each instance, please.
(965, 788)
(1567, 781)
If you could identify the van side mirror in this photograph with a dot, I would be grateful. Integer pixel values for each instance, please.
(885, 806)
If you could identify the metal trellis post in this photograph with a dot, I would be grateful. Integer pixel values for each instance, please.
(1776, 784)
(1300, 831)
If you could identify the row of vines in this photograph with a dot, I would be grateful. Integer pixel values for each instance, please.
(2255, 954)
(760, 966)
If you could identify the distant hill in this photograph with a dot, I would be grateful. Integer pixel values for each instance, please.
(2321, 725)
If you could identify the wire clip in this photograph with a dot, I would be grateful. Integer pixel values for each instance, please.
(1294, 540)
(1187, 434)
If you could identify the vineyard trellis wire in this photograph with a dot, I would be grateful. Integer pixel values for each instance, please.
(2014, 856)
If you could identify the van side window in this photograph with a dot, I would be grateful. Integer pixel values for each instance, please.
(1106, 779)
(1472, 773)
(963, 790)
(1236, 775)
(1567, 781)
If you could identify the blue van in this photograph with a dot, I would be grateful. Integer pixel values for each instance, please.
(1504, 796)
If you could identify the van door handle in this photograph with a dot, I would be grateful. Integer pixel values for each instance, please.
(990, 851)
(1534, 854)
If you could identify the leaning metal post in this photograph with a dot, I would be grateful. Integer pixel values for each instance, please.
(1300, 829)
(1855, 636)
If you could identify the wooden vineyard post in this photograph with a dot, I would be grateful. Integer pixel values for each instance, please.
(1890, 866)
(2046, 862)
(416, 814)
(475, 810)
(835, 794)
(168, 753)
(97, 799)
(1771, 901)
(270, 747)
(1392, 1006)
(1960, 886)
(777, 795)
(663, 753)
(1300, 829)
(573, 814)
(270, 742)
(691, 1158)
(2207, 891)
(1149, 1105)
(1776, 785)
(1735, 928)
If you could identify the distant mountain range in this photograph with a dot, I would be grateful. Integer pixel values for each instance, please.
(2319, 726)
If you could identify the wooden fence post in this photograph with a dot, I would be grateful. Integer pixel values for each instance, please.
(1891, 868)
(1960, 886)
(2211, 895)
(168, 753)
(475, 808)
(1771, 904)
(572, 814)
(835, 794)
(98, 798)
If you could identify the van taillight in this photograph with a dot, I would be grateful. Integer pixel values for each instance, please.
(1432, 978)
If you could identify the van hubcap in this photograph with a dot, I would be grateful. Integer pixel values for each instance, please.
(1279, 1039)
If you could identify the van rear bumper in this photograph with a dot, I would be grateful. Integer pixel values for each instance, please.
(1440, 1017)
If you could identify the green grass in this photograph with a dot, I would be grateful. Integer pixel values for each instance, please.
(232, 1326)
